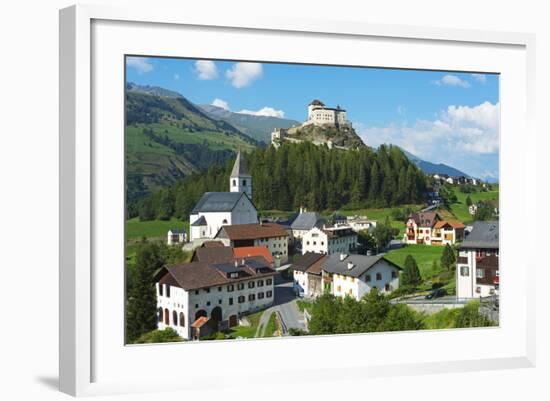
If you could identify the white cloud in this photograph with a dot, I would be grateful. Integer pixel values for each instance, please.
(480, 78)
(220, 103)
(266, 111)
(464, 137)
(452, 80)
(206, 70)
(243, 74)
(140, 64)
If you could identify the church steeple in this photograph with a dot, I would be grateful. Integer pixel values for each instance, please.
(240, 179)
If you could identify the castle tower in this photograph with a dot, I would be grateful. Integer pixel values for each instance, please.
(240, 179)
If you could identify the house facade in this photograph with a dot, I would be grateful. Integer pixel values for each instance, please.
(329, 240)
(307, 275)
(304, 222)
(477, 268)
(270, 235)
(356, 275)
(428, 228)
(216, 209)
(194, 296)
(176, 236)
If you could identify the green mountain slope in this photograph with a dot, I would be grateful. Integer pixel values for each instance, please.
(168, 138)
(257, 127)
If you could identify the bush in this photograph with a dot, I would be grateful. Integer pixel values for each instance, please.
(167, 335)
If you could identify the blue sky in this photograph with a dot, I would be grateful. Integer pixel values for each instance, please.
(442, 117)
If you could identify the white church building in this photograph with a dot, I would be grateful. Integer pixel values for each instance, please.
(216, 209)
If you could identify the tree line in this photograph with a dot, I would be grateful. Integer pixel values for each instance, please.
(302, 174)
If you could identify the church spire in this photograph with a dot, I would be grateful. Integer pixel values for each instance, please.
(240, 179)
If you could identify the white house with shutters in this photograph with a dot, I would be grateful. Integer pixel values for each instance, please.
(356, 275)
(329, 240)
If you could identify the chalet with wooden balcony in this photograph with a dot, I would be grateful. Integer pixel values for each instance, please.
(428, 228)
(477, 272)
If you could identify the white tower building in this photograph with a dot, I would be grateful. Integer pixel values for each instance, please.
(240, 179)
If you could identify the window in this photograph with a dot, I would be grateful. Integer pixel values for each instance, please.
(208, 303)
(240, 286)
(197, 292)
(350, 292)
(387, 287)
(268, 281)
(234, 183)
(182, 319)
(244, 183)
(268, 294)
(464, 271)
(207, 290)
(166, 317)
(261, 295)
(480, 273)
(378, 276)
(160, 315)
(478, 290)
(367, 278)
(260, 283)
(251, 297)
(196, 306)
(175, 318)
(167, 291)
(339, 288)
(251, 284)
(160, 288)
(230, 301)
(219, 289)
(230, 288)
(393, 274)
(241, 299)
(219, 301)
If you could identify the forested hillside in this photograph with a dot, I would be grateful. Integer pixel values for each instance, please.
(302, 174)
(168, 138)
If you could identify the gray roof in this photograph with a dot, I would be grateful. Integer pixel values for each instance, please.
(362, 263)
(201, 221)
(306, 221)
(484, 234)
(240, 168)
(178, 231)
(217, 202)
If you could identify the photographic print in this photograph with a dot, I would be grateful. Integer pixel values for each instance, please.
(282, 199)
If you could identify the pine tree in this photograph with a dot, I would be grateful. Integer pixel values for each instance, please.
(411, 274)
(448, 258)
(141, 311)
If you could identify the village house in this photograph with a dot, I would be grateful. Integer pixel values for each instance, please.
(329, 240)
(361, 223)
(429, 228)
(304, 222)
(307, 274)
(356, 275)
(477, 268)
(270, 235)
(176, 236)
(200, 297)
(216, 209)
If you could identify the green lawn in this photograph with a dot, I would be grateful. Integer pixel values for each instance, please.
(135, 229)
(425, 256)
(244, 331)
(271, 326)
(460, 211)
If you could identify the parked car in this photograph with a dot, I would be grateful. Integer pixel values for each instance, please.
(437, 293)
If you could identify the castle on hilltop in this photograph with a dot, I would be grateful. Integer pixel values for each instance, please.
(321, 116)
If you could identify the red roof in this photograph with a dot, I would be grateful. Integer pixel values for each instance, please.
(248, 251)
(201, 321)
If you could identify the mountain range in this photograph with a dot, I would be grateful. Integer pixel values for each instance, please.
(257, 127)
(432, 168)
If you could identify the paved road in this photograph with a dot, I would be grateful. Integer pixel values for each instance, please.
(285, 304)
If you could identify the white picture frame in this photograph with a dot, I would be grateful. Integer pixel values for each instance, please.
(90, 361)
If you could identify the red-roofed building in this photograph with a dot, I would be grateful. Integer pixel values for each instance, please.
(249, 251)
(429, 228)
